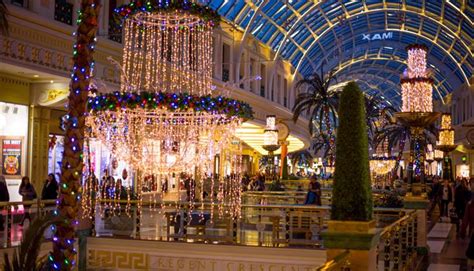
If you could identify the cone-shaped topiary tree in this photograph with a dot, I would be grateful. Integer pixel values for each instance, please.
(352, 195)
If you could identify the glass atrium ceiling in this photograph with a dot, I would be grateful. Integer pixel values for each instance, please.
(363, 40)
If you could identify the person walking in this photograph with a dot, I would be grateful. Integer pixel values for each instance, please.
(461, 197)
(50, 188)
(4, 197)
(28, 192)
(446, 196)
(468, 223)
(434, 196)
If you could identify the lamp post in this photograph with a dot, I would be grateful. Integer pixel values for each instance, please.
(270, 141)
(446, 145)
(417, 113)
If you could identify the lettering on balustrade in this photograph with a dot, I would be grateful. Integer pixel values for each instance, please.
(190, 264)
(120, 260)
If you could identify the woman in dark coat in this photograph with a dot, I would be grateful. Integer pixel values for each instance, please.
(50, 188)
(28, 192)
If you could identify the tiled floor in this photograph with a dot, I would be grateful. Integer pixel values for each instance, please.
(447, 249)
(440, 230)
(436, 246)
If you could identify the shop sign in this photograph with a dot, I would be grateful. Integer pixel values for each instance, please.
(11, 156)
(378, 36)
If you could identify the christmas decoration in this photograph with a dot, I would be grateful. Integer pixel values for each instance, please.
(165, 123)
(64, 253)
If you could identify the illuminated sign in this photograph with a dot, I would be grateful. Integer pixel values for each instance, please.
(378, 36)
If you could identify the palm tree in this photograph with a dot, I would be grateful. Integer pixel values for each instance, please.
(3, 19)
(72, 163)
(397, 135)
(319, 102)
(25, 257)
(376, 112)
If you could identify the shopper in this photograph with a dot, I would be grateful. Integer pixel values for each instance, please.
(27, 191)
(446, 196)
(461, 197)
(50, 188)
(468, 222)
(435, 196)
(4, 197)
(314, 192)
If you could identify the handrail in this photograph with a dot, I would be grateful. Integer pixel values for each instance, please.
(398, 222)
(335, 263)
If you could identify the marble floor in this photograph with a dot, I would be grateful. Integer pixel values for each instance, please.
(447, 248)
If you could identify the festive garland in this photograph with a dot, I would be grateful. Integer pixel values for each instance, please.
(204, 12)
(173, 102)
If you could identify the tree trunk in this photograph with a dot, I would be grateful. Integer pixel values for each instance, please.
(72, 163)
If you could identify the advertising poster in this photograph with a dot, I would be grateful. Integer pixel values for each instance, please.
(11, 157)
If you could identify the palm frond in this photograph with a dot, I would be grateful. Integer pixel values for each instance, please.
(26, 256)
(3, 19)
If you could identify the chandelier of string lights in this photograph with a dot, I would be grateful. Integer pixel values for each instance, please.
(446, 133)
(416, 84)
(165, 120)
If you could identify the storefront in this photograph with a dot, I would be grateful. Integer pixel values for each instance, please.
(101, 160)
(13, 145)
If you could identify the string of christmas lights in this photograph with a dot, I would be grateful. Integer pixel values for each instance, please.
(165, 121)
(64, 253)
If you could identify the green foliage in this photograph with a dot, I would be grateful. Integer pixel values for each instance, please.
(319, 101)
(352, 194)
(25, 258)
(389, 199)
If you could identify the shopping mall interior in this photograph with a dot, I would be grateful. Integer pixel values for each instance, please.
(237, 135)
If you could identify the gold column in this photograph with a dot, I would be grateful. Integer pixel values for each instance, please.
(284, 152)
(39, 140)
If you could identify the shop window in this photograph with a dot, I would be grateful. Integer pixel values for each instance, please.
(63, 12)
(13, 145)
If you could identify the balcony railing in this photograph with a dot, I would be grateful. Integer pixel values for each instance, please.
(398, 248)
(274, 225)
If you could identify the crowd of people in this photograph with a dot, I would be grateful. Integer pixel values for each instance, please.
(28, 193)
(452, 200)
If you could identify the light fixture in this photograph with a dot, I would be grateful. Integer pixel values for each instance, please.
(166, 120)
(36, 76)
(52, 82)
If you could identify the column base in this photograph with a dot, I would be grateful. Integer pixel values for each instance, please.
(359, 237)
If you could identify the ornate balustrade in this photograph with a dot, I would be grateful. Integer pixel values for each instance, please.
(398, 248)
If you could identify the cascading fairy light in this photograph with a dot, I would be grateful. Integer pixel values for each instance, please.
(417, 87)
(165, 120)
(446, 133)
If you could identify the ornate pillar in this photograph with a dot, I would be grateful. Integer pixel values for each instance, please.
(284, 152)
(39, 142)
